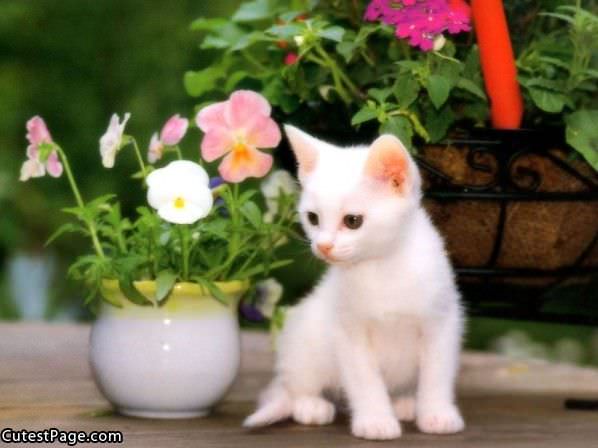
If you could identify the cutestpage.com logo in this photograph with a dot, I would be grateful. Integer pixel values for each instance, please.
(54, 435)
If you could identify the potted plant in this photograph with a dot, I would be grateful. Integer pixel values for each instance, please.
(167, 281)
(517, 206)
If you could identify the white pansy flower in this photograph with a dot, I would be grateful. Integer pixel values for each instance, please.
(269, 293)
(111, 141)
(277, 182)
(180, 192)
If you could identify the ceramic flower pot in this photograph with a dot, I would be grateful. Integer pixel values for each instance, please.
(172, 361)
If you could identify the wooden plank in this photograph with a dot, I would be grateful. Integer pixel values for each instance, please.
(45, 382)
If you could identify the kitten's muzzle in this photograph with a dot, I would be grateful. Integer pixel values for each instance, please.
(325, 248)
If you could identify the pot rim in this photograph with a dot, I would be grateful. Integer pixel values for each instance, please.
(181, 288)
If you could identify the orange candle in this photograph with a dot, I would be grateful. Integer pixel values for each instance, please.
(498, 63)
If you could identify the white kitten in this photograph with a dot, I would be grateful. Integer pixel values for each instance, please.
(383, 327)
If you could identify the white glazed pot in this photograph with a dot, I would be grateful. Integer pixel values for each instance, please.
(173, 361)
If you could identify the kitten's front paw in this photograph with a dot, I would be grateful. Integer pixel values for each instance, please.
(440, 420)
(376, 427)
(313, 411)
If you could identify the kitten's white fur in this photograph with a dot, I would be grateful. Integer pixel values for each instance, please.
(383, 327)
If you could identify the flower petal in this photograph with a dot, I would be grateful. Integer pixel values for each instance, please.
(264, 133)
(236, 169)
(186, 215)
(31, 168)
(174, 130)
(244, 107)
(180, 180)
(217, 142)
(155, 150)
(111, 141)
(53, 165)
(211, 116)
(37, 131)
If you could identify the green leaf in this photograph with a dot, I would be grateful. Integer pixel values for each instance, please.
(224, 37)
(235, 79)
(471, 87)
(347, 50)
(547, 100)
(248, 40)
(65, 228)
(165, 281)
(128, 289)
(334, 33)
(285, 31)
(203, 81)
(582, 134)
(252, 11)
(253, 214)
(400, 127)
(380, 95)
(205, 24)
(216, 292)
(438, 122)
(366, 113)
(438, 88)
(264, 268)
(214, 42)
(406, 90)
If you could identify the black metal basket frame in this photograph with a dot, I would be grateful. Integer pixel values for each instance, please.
(510, 183)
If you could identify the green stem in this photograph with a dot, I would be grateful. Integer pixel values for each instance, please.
(334, 67)
(139, 157)
(178, 152)
(184, 235)
(79, 199)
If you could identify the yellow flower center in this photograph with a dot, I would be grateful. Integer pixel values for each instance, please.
(241, 154)
(179, 203)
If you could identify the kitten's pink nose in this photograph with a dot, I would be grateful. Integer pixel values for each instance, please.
(325, 248)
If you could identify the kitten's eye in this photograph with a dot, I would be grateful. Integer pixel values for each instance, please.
(313, 218)
(353, 221)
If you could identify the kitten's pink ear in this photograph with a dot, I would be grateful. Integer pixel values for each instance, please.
(305, 148)
(388, 161)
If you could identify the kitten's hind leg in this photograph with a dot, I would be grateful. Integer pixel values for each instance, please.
(313, 410)
(404, 406)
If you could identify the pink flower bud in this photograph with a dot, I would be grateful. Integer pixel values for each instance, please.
(174, 130)
(291, 59)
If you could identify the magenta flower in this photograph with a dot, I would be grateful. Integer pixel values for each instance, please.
(38, 134)
(237, 128)
(174, 130)
(421, 21)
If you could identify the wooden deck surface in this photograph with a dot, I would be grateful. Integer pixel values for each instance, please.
(45, 382)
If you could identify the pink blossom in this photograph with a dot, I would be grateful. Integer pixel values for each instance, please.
(156, 149)
(237, 128)
(38, 134)
(174, 130)
(421, 21)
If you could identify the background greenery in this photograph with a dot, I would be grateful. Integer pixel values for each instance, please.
(75, 62)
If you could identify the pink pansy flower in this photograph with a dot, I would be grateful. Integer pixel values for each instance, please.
(174, 130)
(237, 128)
(111, 141)
(37, 134)
(156, 149)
